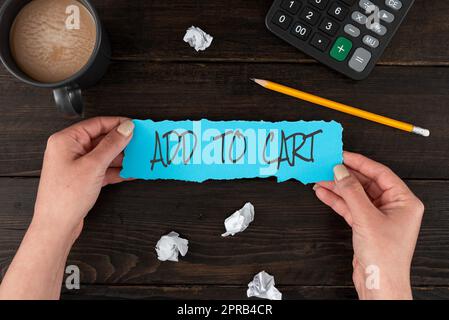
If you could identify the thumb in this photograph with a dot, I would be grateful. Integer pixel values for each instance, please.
(351, 190)
(113, 143)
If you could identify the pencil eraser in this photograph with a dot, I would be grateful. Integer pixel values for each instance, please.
(421, 131)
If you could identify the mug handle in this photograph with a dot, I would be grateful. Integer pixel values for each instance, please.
(69, 101)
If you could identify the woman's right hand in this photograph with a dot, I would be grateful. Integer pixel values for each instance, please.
(385, 217)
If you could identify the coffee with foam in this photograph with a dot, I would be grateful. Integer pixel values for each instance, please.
(51, 40)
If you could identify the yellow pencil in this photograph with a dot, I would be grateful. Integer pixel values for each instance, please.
(342, 107)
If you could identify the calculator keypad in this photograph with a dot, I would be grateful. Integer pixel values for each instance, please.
(291, 6)
(341, 49)
(360, 59)
(351, 30)
(370, 41)
(386, 16)
(282, 20)
(359, 17)
(338, 11)
(347, 35)
(394, 4)
(329, 26)
(309, 15)
(320, 42)
(301, 30)
(320, 4)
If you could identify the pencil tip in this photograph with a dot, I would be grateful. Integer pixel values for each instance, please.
(260, 82)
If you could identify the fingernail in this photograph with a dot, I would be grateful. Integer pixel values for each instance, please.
(340, 172)
(315, 187)
(126, 128)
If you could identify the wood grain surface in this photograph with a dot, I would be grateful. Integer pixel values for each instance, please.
(156, 75)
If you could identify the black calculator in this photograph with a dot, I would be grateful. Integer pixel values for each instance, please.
(346, 35)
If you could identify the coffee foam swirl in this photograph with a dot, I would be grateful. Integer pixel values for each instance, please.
(42, 45)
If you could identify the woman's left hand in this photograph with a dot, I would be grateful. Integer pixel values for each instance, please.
(78, 162)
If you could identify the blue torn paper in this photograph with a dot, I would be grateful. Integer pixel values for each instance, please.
(203, 150)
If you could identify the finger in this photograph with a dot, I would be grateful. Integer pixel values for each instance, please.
(112, 176)
(97, 140)
(335, 202)
(382, 175)
(112, 144)
(98, 126)
(94, 143)
(370, 186)
(352, 192)
(329, 185)
(117, 162)
(87, 131)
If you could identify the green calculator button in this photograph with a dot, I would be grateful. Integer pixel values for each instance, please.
(341, 49)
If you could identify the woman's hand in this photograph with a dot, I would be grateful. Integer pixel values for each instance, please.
(385, 217)
(78, 162)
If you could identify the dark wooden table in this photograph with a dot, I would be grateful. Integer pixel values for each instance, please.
(155, 75)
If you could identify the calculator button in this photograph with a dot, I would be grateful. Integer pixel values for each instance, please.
(378, 28)
(370, 41)
(352, 31)
(291, 6)
(386, 16)
(320, 42)
(320, 4)
(338, 11)
(301, 31)
(309, 15)
(341, 49)
(359, 17)
(360, 59)
(394, 4)
(329, 26)
(282, 20)
(366, 5)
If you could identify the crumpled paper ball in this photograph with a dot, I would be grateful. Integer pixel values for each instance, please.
(263, 287)
(169, 246)
(239, 220)
(198, 39)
